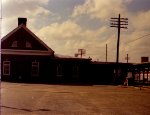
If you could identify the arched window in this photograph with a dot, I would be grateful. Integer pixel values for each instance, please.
(14, 44)
(28, 44)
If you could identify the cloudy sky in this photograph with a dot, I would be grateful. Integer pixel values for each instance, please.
(69, 25)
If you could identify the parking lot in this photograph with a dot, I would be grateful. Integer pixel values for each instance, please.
(46, 99)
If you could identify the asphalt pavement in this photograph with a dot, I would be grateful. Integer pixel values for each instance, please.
(47, 99)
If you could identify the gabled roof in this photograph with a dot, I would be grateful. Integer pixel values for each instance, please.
(31, 33)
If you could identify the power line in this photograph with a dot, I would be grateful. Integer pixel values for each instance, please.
(138, 38)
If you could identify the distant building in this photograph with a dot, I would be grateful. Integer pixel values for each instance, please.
(144, 59)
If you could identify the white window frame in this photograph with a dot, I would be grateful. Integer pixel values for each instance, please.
(35, 65)
(59, 71)
(6, 64)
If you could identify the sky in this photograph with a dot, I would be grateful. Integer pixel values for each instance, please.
(69, 25)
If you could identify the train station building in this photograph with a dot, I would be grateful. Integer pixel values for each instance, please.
(25, 57)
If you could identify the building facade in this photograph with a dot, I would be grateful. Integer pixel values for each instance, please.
(25, 57)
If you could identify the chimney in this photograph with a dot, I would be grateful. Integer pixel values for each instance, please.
(22, 21)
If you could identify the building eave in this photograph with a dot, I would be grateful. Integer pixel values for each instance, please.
(25, 52)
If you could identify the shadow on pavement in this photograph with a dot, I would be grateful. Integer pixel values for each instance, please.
(23, 109)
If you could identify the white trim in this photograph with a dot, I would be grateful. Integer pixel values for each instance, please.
(8, 64)
(25, 52)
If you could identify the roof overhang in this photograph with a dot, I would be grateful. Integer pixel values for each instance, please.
(25, 52)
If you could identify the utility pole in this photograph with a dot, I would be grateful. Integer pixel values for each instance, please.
(0, 38)
(127, 58)
(106, 52)
(118, 23)
(80, 52)
(1, 19)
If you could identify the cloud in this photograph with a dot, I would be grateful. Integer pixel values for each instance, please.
(24, 1)
(13, 7)
(65, 30)
(138, 44)
(141, 20)
(101, 8)
(69, 30)
(34, 10)
(67, 36)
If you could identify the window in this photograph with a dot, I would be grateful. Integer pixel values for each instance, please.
(6, 67)
(35, 68)
(28, 44)
(59, 71)
(14, 44)
(75, 71)
(148, 75)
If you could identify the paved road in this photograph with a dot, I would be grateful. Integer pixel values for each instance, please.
(39, 99)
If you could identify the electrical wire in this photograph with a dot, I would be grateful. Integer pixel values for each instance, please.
(138, 38)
